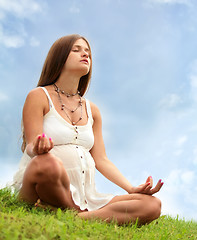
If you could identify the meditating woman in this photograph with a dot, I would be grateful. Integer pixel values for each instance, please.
(63, 144)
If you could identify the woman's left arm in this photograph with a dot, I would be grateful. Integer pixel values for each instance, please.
(103, 164)
(107, 168)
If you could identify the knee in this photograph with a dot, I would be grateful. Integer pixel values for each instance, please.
(155, 208)
(46, 168)
(151, 211)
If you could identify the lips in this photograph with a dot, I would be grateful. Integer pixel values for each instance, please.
(84, 60)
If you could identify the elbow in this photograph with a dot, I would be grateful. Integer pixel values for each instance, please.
(99, 164)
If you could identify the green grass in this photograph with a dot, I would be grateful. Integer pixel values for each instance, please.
(21, 221)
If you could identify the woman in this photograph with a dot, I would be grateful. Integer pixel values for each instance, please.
(63, 144)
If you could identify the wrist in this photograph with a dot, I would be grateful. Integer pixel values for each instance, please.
(30, 150)
(131, 190)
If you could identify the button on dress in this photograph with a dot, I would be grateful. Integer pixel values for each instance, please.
(72, 144)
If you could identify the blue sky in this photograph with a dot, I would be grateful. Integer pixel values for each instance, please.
(144, 82)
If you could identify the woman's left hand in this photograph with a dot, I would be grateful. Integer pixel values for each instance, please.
(147, 187)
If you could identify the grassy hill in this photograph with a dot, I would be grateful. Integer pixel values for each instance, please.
(21, 221)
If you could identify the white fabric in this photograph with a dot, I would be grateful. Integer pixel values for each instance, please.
(72, 145)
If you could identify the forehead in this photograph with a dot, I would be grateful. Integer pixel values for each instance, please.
(81, 42)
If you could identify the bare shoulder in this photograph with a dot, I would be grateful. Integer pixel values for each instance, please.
(36, 92)
(36, 97)
(95, 111)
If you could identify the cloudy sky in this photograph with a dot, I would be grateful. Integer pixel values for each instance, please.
(144, 82)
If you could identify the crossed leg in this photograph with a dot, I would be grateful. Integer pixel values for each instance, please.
(128, 208)
(45, 178)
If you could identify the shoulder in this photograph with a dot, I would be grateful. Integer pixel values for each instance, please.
(36, 97)
(95, 111)
(36, 92)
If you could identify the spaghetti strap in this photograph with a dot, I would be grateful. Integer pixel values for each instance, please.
(49, 98)
(89, 112)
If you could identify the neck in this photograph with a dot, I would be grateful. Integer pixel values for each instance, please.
(68, 83)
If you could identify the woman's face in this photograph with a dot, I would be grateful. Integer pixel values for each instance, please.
(79, 59)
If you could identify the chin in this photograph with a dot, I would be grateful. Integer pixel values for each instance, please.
(84, 72)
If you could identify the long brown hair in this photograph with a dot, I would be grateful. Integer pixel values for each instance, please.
(54, 64)
(56, 59)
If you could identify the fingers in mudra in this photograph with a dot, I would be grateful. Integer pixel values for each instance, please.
(44, 144)
(150, 180)
(147, 187)
(157, 187)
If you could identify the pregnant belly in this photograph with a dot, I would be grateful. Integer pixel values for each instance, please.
(73, 156)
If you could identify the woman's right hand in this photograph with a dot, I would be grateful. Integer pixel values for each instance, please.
(42, 145)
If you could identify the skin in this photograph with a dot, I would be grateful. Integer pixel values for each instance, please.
(45, 177)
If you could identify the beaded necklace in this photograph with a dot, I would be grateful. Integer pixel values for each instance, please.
(63, 106)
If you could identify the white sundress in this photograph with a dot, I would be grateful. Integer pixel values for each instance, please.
(72, 145)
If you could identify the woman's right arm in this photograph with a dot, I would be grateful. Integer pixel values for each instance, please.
(35, 107)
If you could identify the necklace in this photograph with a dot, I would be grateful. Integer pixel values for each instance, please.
(57, 89)
(63, 106)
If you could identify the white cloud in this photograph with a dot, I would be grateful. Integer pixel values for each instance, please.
(15, 35)
(179, 145)
(34, 42)
(193, 79)
(195, 155)
(3, 97)
(19, 8)
(185, 2)
(179, 192)
(11, 41)
(193, 67)
(178, 152)
(170, 101)
(74, 9)
(187, 177)
(7, 170)
(181, 140)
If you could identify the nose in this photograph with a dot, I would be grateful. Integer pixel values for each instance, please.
(85, 53)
